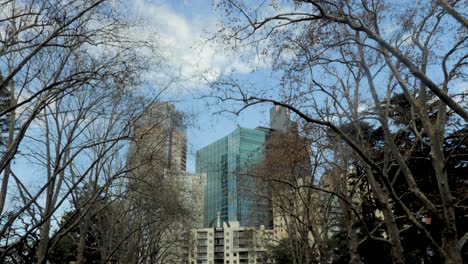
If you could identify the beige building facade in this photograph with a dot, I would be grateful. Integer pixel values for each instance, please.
(160, 139)
(230, 244)
(190, 189)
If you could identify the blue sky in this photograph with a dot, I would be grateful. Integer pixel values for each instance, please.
(181, 28)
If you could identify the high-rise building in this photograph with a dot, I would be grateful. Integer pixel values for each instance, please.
(279, 119)
(157, 181)
(231, 188)
(190, 188)
(160, 139)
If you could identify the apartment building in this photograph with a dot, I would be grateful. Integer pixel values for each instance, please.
(230, 244)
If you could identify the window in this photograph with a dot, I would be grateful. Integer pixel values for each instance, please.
(227, 254)
(235, 254)
(227, 247)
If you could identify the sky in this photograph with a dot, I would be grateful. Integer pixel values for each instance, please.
(182, 29)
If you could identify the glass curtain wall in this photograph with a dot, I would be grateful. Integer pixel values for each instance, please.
(231, 187)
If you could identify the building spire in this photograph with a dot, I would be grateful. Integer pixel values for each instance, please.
(218, 220)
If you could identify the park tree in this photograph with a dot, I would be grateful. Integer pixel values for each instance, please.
(344, 62)
(69, 78)
(285, 169)
(49, 50)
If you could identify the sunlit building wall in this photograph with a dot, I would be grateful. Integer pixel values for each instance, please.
(230, 243)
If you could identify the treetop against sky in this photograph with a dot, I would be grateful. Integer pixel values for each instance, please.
(372, 85)
(195, 56)
(187, 35)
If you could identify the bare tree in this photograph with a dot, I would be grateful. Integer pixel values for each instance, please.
(70, 70)
(342, 61)
(48, 49)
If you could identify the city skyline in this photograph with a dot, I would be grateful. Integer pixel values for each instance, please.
(339, 127)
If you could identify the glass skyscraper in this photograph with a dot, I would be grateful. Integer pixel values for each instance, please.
(231, 188)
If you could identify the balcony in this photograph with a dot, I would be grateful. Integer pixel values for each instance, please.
(219, 249)
(201, 249)
(242, 248)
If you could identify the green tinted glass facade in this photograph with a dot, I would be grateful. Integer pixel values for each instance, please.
(230, 189)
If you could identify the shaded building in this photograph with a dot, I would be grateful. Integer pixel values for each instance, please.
(6, 99)
(158, 184)
(285, 167)
(280, 119)
(190, 188)
(231, 188)
(160, 139)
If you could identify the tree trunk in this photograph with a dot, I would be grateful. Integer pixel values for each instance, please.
(340, 183)
(43, 243)
(84, 226)
(352, 241)
(11, 134)
(449, 233)
(393, 232)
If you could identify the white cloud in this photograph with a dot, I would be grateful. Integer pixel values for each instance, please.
(184, 46)
(362, 107)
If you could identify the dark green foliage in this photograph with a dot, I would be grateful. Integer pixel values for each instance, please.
(417, 247)
(65, 251)
(339, 247)
(281, 254)
(66, 248)
(292, 251)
